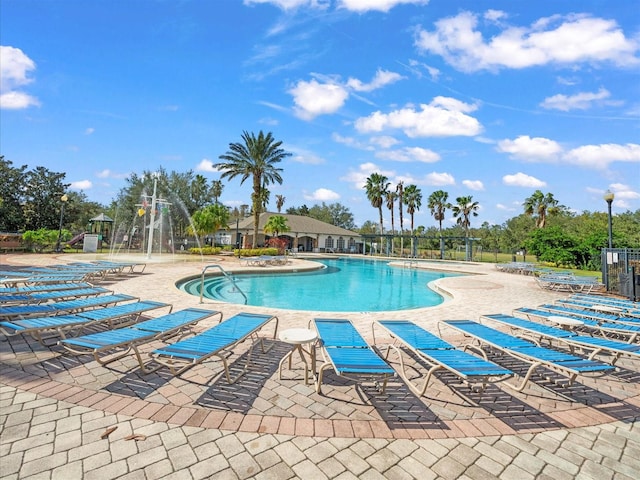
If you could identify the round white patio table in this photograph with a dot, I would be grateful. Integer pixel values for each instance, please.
(297, 337)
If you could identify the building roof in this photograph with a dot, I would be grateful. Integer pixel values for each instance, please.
(299, 224)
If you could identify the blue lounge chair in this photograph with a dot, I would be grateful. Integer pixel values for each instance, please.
(590, 306)
(42, 297)
(111, 342)
(218, 341)
(559, 362)
(607, 329)
(592, 314)
(119, 267)
(440, 355)
(26, 289)
(596, 345)
(344, 350)
(65, 307)
(42, 328)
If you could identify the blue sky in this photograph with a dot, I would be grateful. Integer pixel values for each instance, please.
(492, 99)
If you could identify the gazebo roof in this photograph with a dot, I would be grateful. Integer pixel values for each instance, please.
(102, 218)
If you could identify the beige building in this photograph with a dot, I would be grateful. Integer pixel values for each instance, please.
(306, 234)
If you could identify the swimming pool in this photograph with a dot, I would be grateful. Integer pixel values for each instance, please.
(344, 285)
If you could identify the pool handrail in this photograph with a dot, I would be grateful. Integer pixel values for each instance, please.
(226, 274)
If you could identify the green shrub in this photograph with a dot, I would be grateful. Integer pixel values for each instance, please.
(205, 250)
(44, 239)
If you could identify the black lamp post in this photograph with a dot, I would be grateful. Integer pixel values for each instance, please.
(237, 232)
(63, 199)
(608, 197)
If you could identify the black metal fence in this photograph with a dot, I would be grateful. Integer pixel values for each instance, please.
(621, 271)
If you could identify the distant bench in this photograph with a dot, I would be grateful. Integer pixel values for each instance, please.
(11, 244)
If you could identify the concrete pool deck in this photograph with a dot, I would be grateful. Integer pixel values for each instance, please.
(56, 407)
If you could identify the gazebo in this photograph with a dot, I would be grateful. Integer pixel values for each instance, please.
(101, 226)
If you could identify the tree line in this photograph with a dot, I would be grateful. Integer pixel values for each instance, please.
(30, 199)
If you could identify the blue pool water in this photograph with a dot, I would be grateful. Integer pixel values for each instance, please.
(345, 285)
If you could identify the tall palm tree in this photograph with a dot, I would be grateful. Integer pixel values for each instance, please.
(280, 202)
(391, 198)
(199, 191)
(438, 204)
(376, 187)
(257, 158)
(413, 200)
(464, 208)
(400, 192)
(216, 190)
(539, 206)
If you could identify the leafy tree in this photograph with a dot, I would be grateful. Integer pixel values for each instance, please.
(553, 245)
(209, 220)
(376, 188)
(539, 206)
(465, 208)
(257, 157)
(280, 202)
(368, 228)
(11, 196)
(303, 210)
(276, 225)
(79, 210)
(334, 214)
(42, 203)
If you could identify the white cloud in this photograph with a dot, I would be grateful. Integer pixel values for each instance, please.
(322, 195)
(89, 131)
(522, 180)
(326, 94)
(443, 117)
(529, 149)
(381, 78)
(292, 4)
(350, 142)
(599, 156)
(305, 157)
(81, 185)
(359, 177)
(362, 6)
(506, 208)
(579, 101)
(476, 185)
(554, 40)
(622, 191)
(313, 98)
(15, 68)
(494, 15)
(384, 141)
(205, 165)
(409, 154)
(438, 179)
(106, 173)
